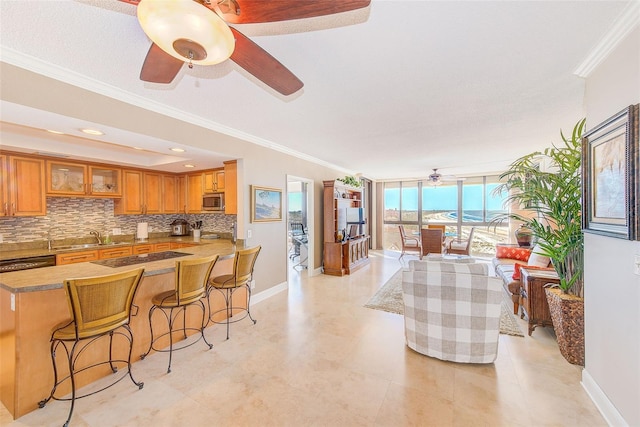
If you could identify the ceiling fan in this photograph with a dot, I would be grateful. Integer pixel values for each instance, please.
(197, 32)
(436, 178)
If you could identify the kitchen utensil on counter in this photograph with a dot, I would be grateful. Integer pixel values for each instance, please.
(180, 227)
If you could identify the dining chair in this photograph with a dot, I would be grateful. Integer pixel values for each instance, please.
(431, 241)
(409, 243)
(438, 226)
(461, 246)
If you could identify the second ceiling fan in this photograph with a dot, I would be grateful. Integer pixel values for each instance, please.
(196, 32)
(437, 178)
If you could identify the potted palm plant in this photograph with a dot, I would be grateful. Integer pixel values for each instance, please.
(554, 195)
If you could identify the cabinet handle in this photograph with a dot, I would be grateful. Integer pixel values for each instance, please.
(6, 208)
(89, 188)
(13, 209)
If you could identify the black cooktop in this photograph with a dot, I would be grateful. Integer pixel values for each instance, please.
(139, 259)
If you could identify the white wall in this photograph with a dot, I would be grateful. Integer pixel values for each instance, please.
(612, 291)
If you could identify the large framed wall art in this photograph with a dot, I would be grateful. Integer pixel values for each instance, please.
(611, 177)
(266, 204)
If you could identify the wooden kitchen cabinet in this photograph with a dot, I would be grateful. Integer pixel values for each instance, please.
(22, 190)
(152, 191)
(194, 193)
(161, 247)
(115, 252)
(230, 189)
(76, 257)
(77, 179)
(148, 248)
(214, 181)
(170, 194)
(132, 201)
(143, 193)
(182, 194)
(142, 249)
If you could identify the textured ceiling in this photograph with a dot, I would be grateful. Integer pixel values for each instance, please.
(391, 91)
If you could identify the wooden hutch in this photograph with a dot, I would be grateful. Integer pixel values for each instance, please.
(346, 247)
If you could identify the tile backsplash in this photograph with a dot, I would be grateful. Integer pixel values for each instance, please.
(69, 217)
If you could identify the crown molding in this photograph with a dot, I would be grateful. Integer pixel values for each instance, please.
(624, 24)
(38, 66)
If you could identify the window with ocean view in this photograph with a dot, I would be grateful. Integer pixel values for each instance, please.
(459, 205)
(439, 203)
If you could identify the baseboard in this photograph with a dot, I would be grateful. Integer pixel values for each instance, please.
(316, 272)
(599, 398)
(261, 296)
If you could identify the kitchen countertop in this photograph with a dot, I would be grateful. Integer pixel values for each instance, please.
(13, 251)
(41, 279)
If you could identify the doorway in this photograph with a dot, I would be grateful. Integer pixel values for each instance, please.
(300, 219)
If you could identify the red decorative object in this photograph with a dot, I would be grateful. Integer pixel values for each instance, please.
(513, 252)
(516, 269)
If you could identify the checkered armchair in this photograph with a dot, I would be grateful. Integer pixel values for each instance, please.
(452, 311)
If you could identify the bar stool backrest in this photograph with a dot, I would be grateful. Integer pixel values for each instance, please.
(192, 276)
(243, 264)
(104, 302)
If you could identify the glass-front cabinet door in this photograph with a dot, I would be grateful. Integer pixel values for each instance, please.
(76, 179)
(105, 181)
(66, 178)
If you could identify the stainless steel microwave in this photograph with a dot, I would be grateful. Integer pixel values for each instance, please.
(213, 202)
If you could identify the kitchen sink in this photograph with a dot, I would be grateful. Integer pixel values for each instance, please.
(88, 246)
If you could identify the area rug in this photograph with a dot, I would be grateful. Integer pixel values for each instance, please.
(389, 298)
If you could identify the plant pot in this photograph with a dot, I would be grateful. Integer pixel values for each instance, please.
(567, 315)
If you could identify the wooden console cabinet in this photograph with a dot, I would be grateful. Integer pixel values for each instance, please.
(533, 299)
(342, 255)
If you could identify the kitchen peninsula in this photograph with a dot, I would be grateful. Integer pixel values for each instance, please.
(33, 301)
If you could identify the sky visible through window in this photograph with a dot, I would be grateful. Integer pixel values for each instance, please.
(442, 198)
(295, 202)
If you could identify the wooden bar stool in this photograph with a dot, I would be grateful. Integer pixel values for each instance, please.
(99, 307)
(191, 281)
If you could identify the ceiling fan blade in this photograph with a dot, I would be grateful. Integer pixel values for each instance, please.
(159, 66)
(258, 11)
(263, 66)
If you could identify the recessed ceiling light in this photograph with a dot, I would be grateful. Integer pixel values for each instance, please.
(138, 148)
(57, 132)
(189, 166)
(92, 131)
(177, 150)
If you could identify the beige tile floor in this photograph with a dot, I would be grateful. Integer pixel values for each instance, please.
(318, 357)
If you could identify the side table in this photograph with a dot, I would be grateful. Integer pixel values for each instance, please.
(533, 299)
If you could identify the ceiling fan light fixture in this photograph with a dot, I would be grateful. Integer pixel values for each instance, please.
(435, 178)
(186, 30)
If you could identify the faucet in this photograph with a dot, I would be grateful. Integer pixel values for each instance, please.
(49, 239)
(97, 234)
